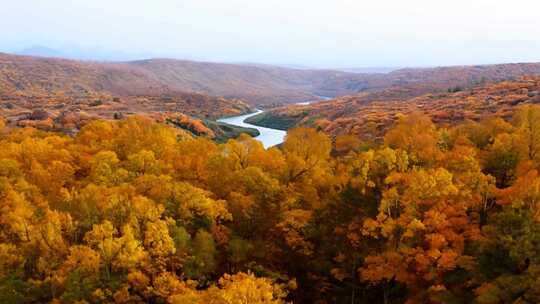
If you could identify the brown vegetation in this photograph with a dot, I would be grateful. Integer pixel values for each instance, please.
(257, 84)
(64, 95)
(366, 119)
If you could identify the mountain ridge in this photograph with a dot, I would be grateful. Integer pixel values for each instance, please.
(260, 85)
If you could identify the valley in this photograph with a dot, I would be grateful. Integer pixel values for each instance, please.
(64, 95)
(166, 181)
(269, 152)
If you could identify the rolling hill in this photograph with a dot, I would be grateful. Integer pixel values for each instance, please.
(61, 87)
(269, 85)
(64, 94)
(260, 85)
(368, 118)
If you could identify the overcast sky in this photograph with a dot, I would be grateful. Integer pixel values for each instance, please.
(329, 33)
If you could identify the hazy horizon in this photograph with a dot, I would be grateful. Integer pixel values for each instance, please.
(301, 33)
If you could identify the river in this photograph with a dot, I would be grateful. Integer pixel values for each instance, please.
(268, 137)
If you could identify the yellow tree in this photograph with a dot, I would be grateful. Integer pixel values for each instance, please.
(116, 252)
(80, 258)
(191, 161)
(527, 122)
(417, 135)
(159, 243)
(525, 191)
(424, 223)
(243, 151)
(305, 151)
(103, 168)
(240, 288)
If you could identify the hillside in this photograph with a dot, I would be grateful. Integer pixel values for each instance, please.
(44, 91)
(64, 94)
(370, 119)
(261, 85)
(256, 84)
(269, 85)
(412, 82)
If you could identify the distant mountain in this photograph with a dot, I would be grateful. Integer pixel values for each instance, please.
(260, 85)
(80, 53)
(41, 51)
(370, 70)
(257, 84)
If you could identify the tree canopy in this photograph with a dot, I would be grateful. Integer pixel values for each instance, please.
(132, 211)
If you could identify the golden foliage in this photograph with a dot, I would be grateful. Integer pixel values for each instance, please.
(129, 212)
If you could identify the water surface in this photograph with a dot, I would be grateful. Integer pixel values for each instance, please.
(269, 137)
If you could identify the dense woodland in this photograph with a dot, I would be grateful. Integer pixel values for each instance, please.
(133, 211)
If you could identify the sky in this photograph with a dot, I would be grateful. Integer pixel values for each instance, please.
(310, 33)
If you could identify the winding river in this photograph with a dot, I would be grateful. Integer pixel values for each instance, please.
(269, 137)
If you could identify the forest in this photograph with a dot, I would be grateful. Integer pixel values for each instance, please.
(134, 211)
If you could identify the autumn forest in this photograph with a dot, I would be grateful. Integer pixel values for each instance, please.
(133, 211)
(240, 152)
